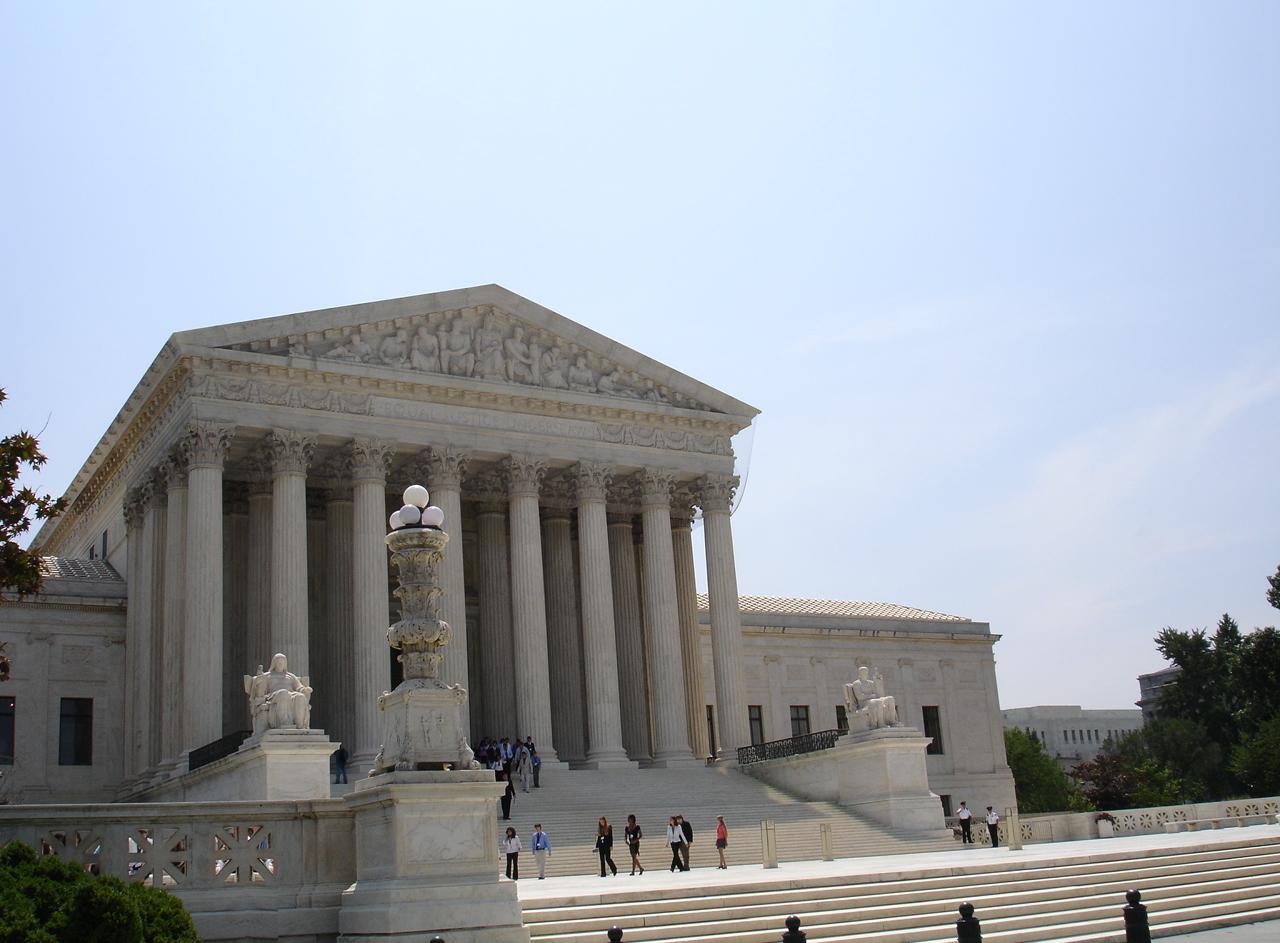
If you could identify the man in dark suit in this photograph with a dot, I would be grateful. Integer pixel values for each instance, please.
(688, 839)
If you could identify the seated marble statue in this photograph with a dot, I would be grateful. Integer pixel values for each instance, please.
(278, 698)
(867, 705)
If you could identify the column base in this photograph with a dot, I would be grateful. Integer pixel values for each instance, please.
(675, 761)
(609, 761)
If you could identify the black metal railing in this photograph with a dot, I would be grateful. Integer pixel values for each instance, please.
(203, 756)
(792, 746)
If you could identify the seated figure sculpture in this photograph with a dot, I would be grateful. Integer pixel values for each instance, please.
(867, 705)
(278, 698)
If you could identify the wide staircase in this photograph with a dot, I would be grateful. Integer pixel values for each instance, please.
(569, 803)
(1069, 899)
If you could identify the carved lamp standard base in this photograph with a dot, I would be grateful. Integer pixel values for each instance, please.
(422, 729)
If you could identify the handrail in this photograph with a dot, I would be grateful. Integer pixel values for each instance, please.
(792, 746)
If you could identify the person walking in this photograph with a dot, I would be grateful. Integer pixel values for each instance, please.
(541, 847)
(537, 767)
(511, 845)
(633, 835)
(993, 826)
(722, 840)
(604, 846)
(966, 824)
(675, 838)
(523, 767)
(687, 828)
(340, 765)
(507, 797)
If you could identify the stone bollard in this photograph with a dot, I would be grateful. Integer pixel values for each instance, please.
(794, 934)
(824, 833)
(614, 935)
(1137, 928)
(968, 928)
(768, 844)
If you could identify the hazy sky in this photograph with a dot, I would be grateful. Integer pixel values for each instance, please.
(1003, 278)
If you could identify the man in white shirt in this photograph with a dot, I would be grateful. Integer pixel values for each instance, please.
(993, 826)
(966, 824)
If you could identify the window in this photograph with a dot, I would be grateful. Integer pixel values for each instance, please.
(75, 732)
(799, 720)
(933, 728)
(755, 718)
(7, 714)
(711, 729)
(104, 545)
(946, 806)
(842, 718)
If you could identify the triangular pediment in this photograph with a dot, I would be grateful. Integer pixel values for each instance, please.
(485, 333)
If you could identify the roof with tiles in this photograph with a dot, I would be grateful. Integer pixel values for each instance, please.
(66, 568)
(847, 609)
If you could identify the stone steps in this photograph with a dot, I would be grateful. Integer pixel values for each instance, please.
(1075, 899)
(570, 801)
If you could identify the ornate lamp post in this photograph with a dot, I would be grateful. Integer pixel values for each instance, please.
(422, 718)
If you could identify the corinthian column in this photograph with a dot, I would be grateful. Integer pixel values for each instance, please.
(445, 468)
(206, 445)
(137, 640)
(627, 629)
(671, 728)
(690, 635)
(258, 577)
(604, 726)
(564, 638)
(339, 639)
(715, 496)
(496, 652)
(290, 454)
(529, 605)
(370, 605)
(168, 677)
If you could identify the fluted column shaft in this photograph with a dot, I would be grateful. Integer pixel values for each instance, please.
(137, 644)
(445, 468)
(169, 677)
(339, 637)
(235, 705)
(604, 724)
(627, 629)
(496, 651)
(207, 445)
(529, 606)
(258, 575)
(564, 639)
(290, 454)
(690, 634)
(716, 495)
(370, 604)
(661, 612)
(154, 528)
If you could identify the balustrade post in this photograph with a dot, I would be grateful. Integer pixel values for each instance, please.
(824, 834)
(968, 928)
(1137, 925)
(794, 934)
(614, 935)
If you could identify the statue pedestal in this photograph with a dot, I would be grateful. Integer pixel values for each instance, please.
(882, 775)
(422, 724)
(427, 862)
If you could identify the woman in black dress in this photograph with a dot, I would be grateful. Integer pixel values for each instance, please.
(633, 835)
(604, 846)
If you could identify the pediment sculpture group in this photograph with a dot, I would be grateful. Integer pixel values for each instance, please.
(867, 706)
(489, 348)
(278, 698)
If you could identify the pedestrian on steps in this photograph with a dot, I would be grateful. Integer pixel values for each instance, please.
(675, 838)
(541, 846)
(604, 846)
(633, 834)
(687, 828)
(722, 840)
(507, 796)
(993, 826)
(511, 845)
(966, 824)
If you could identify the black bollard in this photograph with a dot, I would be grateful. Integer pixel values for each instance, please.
(615, 935)
(794, 934)
(437, 939)
(968, 928)
(1137, 928)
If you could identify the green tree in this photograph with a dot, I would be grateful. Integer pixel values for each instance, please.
(1256, 759)
(1273, 590)
(1128, 774)
(20, 569)
(1039, 782)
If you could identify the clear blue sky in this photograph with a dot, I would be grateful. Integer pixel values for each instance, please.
(1003, 278)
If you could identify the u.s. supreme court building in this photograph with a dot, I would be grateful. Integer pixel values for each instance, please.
(237, 507)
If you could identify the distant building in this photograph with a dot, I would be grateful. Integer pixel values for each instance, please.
(1149, 686)
(1071, 734)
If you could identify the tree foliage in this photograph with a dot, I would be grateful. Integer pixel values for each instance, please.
(20, 569)
(48, 900)
(1255, 761)
(1038, 780)
(1142, 768)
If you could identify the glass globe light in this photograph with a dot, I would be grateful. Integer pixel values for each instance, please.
(432, 516)
(417, 496)
(395, 521)
(410, 514)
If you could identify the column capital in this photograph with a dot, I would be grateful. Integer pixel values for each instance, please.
(446, 467)
(592, 480)
(524, 474)
(488, 486)
(715, 492)
(174, 467)
(135, 505)
(290, 452)
(558, 493)
(682, 502)
(369, 459)
(625, 491)
(655, 487)
(205, 444)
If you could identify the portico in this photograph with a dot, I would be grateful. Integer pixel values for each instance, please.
(254, 468)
